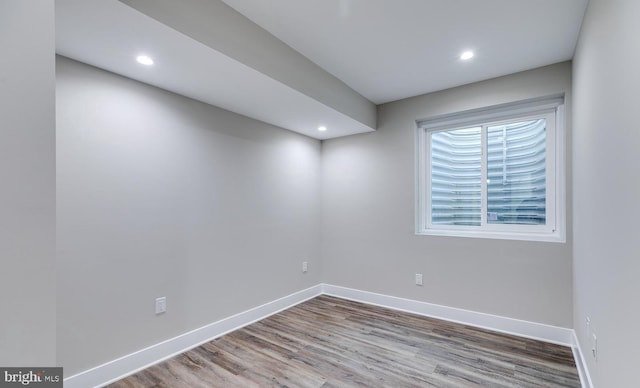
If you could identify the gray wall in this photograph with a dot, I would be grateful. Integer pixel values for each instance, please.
(159, 195)
(607, 176)
(27, 176)
(368, 217)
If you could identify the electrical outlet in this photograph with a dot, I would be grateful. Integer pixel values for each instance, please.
(588, 321)
(305, 266)
(418, 279)
(161, 305)
(594, 346)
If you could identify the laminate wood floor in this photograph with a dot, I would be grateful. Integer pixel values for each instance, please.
(331, 342)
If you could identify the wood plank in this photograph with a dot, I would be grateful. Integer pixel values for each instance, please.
(331, 342)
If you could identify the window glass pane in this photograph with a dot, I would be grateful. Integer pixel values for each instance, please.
(456, 177)
(516, 182)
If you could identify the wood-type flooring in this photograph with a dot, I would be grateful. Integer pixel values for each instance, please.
(331, 342)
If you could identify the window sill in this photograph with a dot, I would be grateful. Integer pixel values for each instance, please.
(543, 237)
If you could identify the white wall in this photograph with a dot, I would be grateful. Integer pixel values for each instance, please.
(27, 179)
(160, 195)
(607, 200)
(368, 217)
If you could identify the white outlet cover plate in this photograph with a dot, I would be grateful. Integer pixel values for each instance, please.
(161, 305)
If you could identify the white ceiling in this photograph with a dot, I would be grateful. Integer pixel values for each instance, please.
(109, 35)
(392, 49)
(383, 49)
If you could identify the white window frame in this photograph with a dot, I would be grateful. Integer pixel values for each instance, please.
(549, 108)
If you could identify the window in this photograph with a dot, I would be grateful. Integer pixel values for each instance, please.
(493, 173)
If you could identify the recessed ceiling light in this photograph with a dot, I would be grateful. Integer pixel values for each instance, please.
(322, 128)
(466, 55)
(145, 60)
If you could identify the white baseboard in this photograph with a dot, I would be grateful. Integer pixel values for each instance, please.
(132, 363)
(581, 363)
(115, 370)
(537, 331)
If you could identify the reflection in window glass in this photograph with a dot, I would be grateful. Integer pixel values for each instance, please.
(516, 176)
(456, 197)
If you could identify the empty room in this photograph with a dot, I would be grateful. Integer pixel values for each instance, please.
(319, 193)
